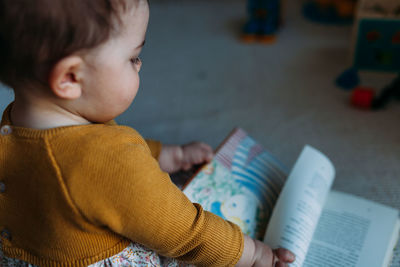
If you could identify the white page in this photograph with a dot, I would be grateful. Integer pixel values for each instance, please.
(396, 255)
(353, 232)
(299, 205)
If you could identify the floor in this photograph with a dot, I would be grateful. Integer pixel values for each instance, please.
(199, 81)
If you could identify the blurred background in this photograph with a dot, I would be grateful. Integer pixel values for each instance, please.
(199, 80)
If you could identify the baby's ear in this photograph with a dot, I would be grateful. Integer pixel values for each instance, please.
(65, 78)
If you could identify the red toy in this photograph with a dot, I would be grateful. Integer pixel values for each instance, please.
(365, 97)
(362, 97)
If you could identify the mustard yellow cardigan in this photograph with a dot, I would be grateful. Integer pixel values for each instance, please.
(71, 196)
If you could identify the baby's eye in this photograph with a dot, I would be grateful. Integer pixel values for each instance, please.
(136, 61)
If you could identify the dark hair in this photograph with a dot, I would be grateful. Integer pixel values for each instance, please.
(35, 34)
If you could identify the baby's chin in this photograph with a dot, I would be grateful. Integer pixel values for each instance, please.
(105, 115)
(100, 119)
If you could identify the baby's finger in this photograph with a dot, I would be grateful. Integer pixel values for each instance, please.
(206, 147)
(284, 255)
(186, 166)
(208, 152)
(281, 264)
(209, 156)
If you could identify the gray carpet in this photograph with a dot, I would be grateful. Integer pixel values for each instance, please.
(199, 81)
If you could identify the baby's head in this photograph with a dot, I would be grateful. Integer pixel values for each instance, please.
(81, 55)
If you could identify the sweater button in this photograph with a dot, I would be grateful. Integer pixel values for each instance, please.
(5, 130)
(6, 234)
(2, 187)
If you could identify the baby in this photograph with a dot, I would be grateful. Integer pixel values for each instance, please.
(77, 189)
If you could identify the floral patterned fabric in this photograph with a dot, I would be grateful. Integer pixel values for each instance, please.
(133, 255)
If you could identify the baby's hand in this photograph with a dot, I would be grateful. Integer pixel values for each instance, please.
(258, 254)
(174, 158)
(195, 153)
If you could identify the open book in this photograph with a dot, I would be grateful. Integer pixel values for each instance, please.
(246, 185)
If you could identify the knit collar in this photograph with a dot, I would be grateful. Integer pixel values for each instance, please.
(30, 132)
(41, 133)
(38, 133)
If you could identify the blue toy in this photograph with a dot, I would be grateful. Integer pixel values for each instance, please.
(335, 12)
(348, 79)
(378, 45)
(376, 42)
(264, 20)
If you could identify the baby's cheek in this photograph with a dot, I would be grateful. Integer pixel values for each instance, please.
(128, 95)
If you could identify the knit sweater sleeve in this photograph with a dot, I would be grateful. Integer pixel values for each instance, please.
(121, 187)
(155, 147)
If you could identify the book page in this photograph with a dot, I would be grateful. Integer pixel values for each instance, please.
(385, 191)
(353, 232)
(241, 184)
(300, 203)
(396, 255)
